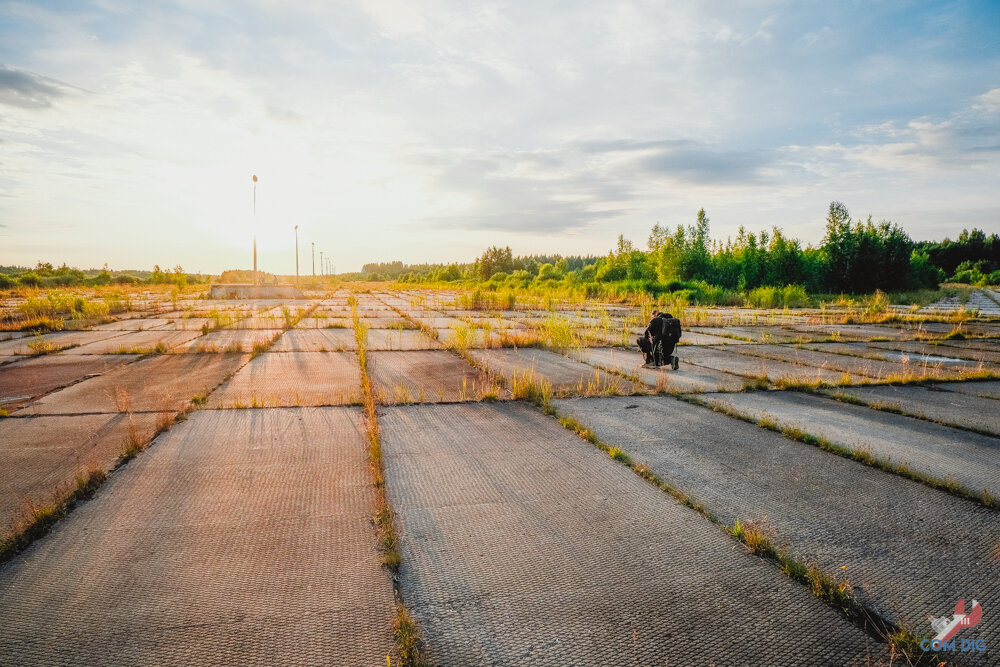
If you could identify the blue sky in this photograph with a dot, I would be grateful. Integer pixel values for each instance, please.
(425, 131)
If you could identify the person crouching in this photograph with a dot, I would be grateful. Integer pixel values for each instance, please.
(658, 340)
(649, 343)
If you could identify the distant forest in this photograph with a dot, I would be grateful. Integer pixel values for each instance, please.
(854, 257)
(46, 275)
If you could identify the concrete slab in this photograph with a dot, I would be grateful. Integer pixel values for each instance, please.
(227, 340)
(687, 378)
(911, 366)
(60, 339)
(134, 324)
(344, 322)
(187, 324)
(428, 376)
(944, 355)
(859, 368)
(41, 456)
(696, 337)
(567, 376)
(316, 340)
(241, 537)
(382, 322)
(827, 510)
(987, 351)
(397, 339)
(853, 332)
(24, 381)
(467, 338)
(136, 342)
(522, 543)
(946, 407)
(730, 361)
(438, 322)
(162, 383)
(986, 344)
(971, 459)
(988, 389)
(762, 334)
(280, 379)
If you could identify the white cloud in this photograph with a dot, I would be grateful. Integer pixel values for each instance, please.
(374, 124)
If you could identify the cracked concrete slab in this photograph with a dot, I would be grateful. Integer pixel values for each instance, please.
(732, 361)
(41, 456)
(59, 339)
(23, 381)
(851, 520)
(136, 342)
(947, 407)
(859, 368)
(687, 378)
(162, 383)
(285, 379)
(428, 376)
(228, 340)
(523, 543)
(239, 537)
(565, 375)
(316, 340)
(932, 449)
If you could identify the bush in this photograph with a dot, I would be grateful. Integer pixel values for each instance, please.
(764, 297)
(794, 296)
(29, 279)
(125, 280)
(993, 278)
(6, 282)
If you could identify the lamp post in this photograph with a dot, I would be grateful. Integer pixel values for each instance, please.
(296, 255)
(255, 229)
(314, 258)
(322, 266)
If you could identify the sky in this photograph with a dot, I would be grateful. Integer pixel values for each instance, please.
(426, 131)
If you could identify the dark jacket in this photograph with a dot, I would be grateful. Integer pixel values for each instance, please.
(655, 328)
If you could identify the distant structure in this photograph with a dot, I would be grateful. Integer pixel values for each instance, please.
(238, 291)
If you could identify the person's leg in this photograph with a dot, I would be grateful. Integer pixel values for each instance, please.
(658, 350)
(668, 352)
(644, 346)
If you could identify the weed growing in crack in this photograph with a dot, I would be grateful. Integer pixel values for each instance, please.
(132, 444)
(406, 630)
(37, 520)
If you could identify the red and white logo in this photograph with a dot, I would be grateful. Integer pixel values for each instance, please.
(947, 628)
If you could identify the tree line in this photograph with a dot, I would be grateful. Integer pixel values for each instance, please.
(854, 257)
(46, 275)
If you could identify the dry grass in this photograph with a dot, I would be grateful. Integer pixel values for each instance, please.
(36, 520)
(406, 630)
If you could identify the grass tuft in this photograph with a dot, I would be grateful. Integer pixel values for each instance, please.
(406, 630)
(39, 519)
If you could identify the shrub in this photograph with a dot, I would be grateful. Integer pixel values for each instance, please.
(29, 279)
(794, 296)
(764, 297)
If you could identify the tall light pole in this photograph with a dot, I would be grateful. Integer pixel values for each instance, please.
(314, 258)
(255, 229)
(322, 267)
(296, 255)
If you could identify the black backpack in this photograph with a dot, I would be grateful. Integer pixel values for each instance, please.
(672, 328)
